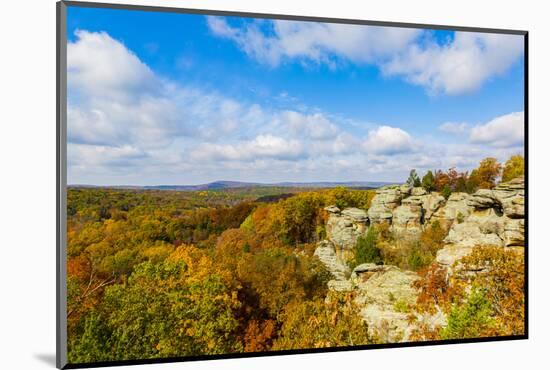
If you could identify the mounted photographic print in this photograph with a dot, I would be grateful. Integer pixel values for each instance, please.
(235, 184)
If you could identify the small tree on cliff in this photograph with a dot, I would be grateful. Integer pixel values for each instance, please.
(366, 249)
(428, 181)
(413, 179)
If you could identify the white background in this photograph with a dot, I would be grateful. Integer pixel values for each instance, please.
(27, 193)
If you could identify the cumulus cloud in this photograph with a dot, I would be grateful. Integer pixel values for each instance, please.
(115, 99)
(127, 124)
(101, 155)
(316, 126)
(458, 66)
(113, 71)
(388, 140)
(454, 128)
(272, 42)
(503, 131)
(261, 147)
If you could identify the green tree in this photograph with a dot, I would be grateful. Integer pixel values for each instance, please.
(446, 192)
(162, 311)
(470, 319)
(428, 181)
(366, 249)
(413, 179)
(93, 344)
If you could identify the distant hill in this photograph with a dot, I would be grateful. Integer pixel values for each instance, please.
(219, 185)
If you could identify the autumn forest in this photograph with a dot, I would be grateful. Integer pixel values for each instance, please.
(160, 273)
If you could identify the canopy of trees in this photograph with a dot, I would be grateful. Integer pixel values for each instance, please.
(162, 273)
(485, 176)
(165, 273)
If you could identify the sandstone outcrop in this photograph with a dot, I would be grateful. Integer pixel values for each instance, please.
(409, 216)
(344, 227)
(326, 252)
(455, 208)
(384, 293)
(387, 198)
(495, 218)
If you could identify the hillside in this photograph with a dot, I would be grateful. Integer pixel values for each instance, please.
(162, 273)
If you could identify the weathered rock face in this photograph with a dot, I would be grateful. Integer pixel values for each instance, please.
(387, 198)
(431, 203)
(511, 196)
(455, 208)
(383, 293)
(327, 255)
(495, 218)
(344, 227)
(408, 217)
(480, 228)
(406, 209)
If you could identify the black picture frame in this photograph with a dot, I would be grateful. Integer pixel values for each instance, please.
(61, 176)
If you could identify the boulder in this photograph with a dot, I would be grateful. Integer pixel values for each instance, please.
(482, 227)
(343, 228)
(356, 215)
(387, 286)
(364, 271)
(448, 255)
(332, 209)
(340, 285)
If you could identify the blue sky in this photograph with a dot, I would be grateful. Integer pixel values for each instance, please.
(162, 98)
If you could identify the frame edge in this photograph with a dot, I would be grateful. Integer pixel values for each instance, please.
(61, 184)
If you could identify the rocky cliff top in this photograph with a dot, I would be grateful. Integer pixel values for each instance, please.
(486, 217)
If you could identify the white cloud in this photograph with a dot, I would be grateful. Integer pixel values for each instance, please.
(115, 99)
(454, 128)
(503, 131)
(457, 66)
(261, 147)
(312, 41)
(138, 127)
(101, 66)
(94, 156)
(460, 65)
(388, 140)
(315, 126)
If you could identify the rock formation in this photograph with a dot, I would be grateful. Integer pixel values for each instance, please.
(383, 293)
(387, 198)
(495, 217)
(344, 227)
(326, 252)
(408, 217)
